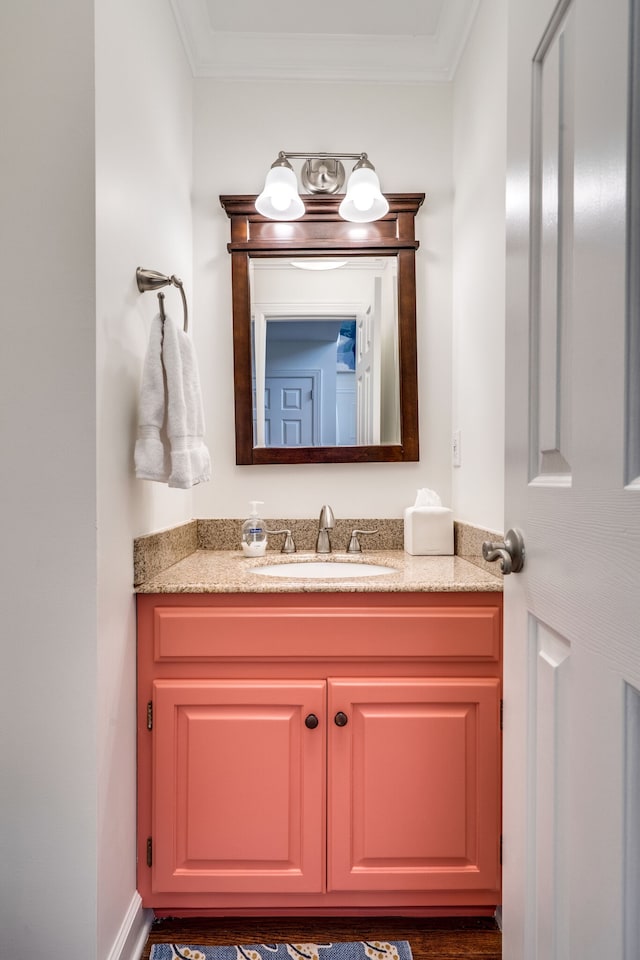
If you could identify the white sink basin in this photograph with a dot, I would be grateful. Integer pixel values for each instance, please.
(323, 569)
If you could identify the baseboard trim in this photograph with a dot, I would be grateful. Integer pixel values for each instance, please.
(133, 932)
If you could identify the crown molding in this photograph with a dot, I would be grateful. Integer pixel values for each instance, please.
(323, 57)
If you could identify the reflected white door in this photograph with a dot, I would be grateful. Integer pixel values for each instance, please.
(368, 372)
(288, 411)
(572, 617)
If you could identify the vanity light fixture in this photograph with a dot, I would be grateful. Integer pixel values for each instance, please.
(322, 173)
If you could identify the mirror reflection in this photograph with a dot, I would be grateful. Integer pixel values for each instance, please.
(346, 329)
(324, 351)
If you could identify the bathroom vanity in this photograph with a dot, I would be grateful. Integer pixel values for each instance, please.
(319, 747)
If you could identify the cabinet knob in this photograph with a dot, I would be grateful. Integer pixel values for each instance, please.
(341, 719)
(311, 721)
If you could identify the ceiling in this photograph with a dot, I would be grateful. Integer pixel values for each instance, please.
(368, 41)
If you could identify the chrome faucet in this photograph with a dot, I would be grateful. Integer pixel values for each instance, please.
(325, 523)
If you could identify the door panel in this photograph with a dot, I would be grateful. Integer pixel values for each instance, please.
(414, 784)
(551, 248)
(631, 840)
(547, 788)
(239, 786)
(368, 372)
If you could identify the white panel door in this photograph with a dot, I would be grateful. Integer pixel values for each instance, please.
(572, 617)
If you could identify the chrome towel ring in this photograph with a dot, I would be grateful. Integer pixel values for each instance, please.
(152, 280)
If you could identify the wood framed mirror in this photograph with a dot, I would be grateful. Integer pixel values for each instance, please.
(324, 334)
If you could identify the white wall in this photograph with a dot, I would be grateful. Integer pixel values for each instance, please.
(86, 121)
(479, 158)
(97, 180)
(239, 128)
(143, 197)
(48, 731)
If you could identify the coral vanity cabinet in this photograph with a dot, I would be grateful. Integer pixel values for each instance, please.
(309, 753)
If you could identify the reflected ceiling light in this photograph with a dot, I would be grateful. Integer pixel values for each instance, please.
(318, 264)
(322, 173)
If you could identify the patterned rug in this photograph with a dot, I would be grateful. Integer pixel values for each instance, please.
(356, 950)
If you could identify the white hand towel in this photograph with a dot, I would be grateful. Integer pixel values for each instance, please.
(190, 461)
(152, 447)
(170, 447)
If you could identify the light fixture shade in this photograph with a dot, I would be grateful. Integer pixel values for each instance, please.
(280, 199)
(364, 201)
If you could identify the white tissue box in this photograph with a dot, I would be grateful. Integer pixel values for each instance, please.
(428, 531)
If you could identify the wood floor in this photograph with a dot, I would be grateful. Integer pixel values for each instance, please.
(473, 938)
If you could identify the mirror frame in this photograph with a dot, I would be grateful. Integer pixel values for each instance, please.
(322, 232)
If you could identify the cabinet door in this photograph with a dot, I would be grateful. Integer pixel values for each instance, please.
(239, 786)
(414, 784)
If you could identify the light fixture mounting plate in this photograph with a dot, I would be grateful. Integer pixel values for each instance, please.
(322, 175)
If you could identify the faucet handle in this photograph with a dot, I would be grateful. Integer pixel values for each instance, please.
(354, 543)
(288, 546)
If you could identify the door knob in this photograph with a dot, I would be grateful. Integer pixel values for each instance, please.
(509, 552)
(311, 721)
(341, 719)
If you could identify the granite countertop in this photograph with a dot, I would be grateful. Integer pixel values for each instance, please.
(228, 571)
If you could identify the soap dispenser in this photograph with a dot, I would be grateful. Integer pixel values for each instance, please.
(254, 535)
